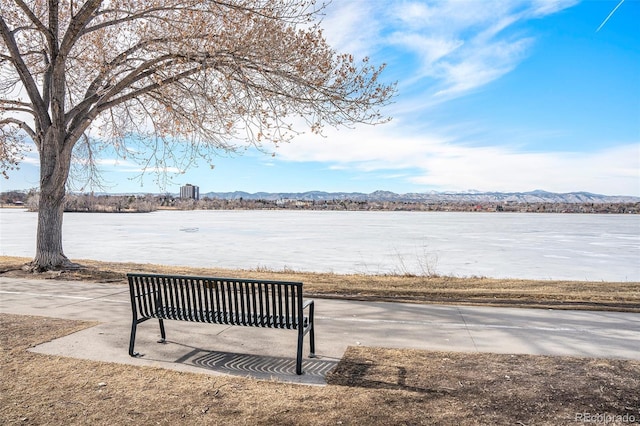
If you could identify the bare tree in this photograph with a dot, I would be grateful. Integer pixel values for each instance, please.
(184, 78)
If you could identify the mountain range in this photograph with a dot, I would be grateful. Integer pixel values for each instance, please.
(538, 196)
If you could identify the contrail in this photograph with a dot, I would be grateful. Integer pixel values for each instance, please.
(607, 18)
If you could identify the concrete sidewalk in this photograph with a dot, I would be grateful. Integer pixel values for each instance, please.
(270, 354)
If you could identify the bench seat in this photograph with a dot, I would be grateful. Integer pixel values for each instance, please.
(214, 317)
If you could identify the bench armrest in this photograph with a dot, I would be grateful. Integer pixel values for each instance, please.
(308, 304)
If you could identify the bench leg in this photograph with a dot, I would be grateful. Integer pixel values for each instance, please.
(132, 340)
(163, 335)
(312, 332)
(312, 342)
(299, 354)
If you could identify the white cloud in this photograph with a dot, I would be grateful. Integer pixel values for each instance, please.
(31, 157)
(437, 162)
(611, 171)
(429, 49)
(461, 45)
(482, 66)
(548, 7)
(123, 166)
(351, 26)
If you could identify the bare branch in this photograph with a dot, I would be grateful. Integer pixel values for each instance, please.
(13, 103)
(146, 13)
(288, 11)
(21, 124)
(17, 109)
(33, 18)
(25, 76)
(77, 25)
(143, 90)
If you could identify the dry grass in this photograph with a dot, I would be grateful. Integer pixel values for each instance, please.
(620, 296)
(368, 387)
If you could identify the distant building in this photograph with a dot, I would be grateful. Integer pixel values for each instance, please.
(190, 191)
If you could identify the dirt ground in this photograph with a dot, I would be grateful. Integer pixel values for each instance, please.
(368, 387)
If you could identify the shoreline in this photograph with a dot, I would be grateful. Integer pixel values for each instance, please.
(551, 294)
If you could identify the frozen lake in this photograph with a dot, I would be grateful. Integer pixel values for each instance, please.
(515, 245)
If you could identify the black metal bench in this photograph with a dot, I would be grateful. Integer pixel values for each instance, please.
(229, 301)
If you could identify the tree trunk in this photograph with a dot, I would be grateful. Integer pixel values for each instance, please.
(49, 253)
(55, 161)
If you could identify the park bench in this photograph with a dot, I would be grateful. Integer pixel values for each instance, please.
(226, 301)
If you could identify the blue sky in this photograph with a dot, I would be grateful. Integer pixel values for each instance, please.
(492, 96)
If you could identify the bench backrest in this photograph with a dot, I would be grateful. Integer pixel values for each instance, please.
(275, 304)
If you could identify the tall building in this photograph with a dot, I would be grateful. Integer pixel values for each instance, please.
(190, 191)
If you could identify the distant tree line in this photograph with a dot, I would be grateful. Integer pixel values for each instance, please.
(152, 202)
(442, 206)
(85, 202)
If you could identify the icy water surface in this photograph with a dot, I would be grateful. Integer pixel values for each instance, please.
(515, 245)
